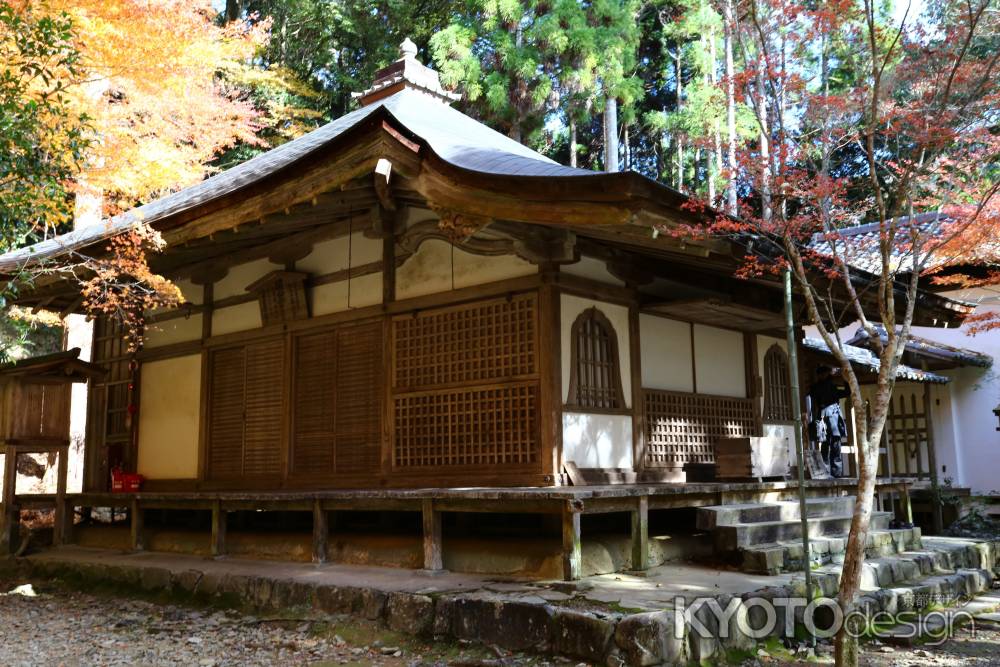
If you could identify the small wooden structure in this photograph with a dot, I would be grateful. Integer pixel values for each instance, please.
(34, 419)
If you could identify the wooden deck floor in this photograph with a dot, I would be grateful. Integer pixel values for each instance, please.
(569, 502)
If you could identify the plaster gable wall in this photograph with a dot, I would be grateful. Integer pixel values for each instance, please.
(430, 270)
(170, 418)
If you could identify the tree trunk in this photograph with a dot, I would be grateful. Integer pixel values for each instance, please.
(680, 105)
(846, 645)
(611, 135)
(731, 202)
(715, 161)
(234, 10)
(572, 141)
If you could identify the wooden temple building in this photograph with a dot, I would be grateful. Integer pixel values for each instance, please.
(406, 311)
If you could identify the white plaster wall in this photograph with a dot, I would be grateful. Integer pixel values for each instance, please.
(79, 333)
(240, 276)
(192, 293)
(665, 347)
(430, 270)
(241, 317)
(719, 362)
(974, 451)
(337, 297)
(332, 255)
(594, 269)
(569, 308)
(169, 418)
(174, 330)
(597, 441)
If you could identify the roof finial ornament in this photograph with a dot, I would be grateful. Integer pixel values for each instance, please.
(406, 72)
(407, 49)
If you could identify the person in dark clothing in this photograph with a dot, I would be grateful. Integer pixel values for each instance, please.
(826, 423)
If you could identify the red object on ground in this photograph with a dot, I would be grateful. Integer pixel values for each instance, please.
(125, 482)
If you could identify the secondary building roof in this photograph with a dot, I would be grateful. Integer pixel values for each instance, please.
(867, 361)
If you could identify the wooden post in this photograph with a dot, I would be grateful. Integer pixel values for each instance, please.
(11, 519)
(640, 534)
(321, 532)
(388, 256)
(550, 364)
(136, 516)
(638, 399)
(218, 530)
(904, 496)
(432, 536)
(572, 550)
(60, 531)
(936, 516)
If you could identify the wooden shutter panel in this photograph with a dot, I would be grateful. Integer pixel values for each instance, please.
(225, 420)
(359, 398)
(262, 436)
(314, 377)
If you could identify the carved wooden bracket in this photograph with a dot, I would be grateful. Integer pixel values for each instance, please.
(459, 227)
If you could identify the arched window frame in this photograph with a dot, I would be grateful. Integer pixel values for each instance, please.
(607, 396)
(777, 382)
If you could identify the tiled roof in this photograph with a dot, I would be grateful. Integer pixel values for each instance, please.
(864, 358)
(450, 134)
(859, 245)
(930, 348)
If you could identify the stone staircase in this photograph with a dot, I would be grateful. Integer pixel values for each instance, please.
(767, 537)
(945, 574)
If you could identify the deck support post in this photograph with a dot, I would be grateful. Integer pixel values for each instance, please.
(640, 534)
(137, 525)
(218, 530)
(433, 560)
(572, 550)
(321, 532)
(907, 508)
(11, 519)
(60, 531)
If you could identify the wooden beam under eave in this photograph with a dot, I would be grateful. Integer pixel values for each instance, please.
(298, 186)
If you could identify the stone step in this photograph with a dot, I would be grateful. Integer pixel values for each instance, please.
(940, 624)
(787, 556)
(727, 515)
(743, 535)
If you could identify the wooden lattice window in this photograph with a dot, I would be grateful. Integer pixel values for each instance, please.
(110, 442)
(466, 387)
(595, 377)
(777, 393)
(245, 409)
(337, 392)
(683, 428)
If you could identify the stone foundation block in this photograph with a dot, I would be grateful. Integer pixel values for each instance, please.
(580, 634)
(409, 613)
(652, 639)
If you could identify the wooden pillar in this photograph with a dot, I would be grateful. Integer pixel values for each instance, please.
(137, 525)
(432, 536)
(10, 522)
(904, 497)
(638, 399)
(321, 532)
(550, 369)
(218, 529)
(640, 534)
(60, 531)
(572, 550)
